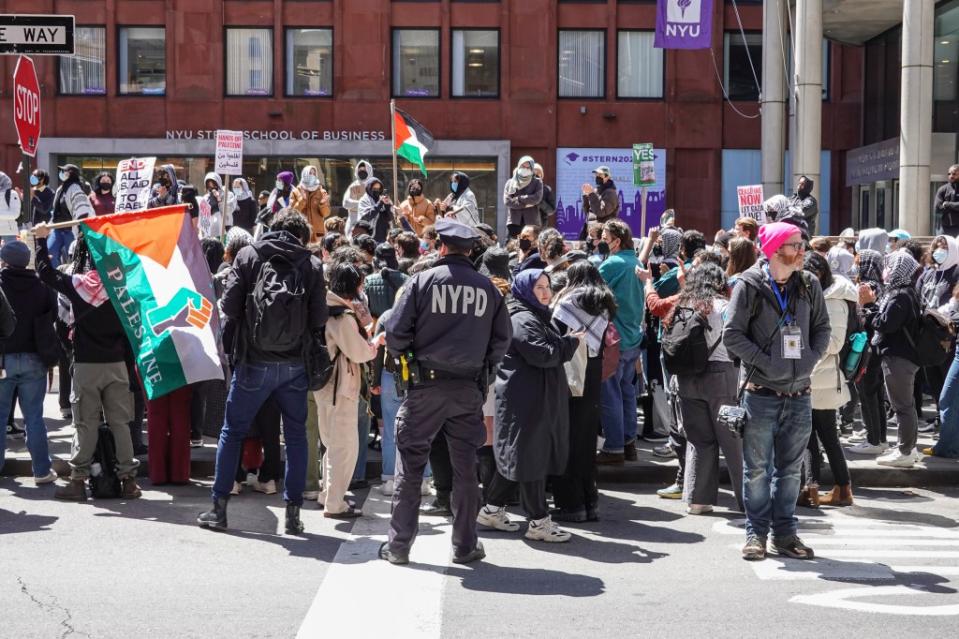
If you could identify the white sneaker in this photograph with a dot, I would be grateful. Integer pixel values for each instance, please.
(857, 436)
(425, 489)
(865, 448)
(493, 517)
(546, 530)
(49, 478)
(387, 488)
(268, 488)
(699, 509)
(311, 495)
(896, 459)
(237, 488)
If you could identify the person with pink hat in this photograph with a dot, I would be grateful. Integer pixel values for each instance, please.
(778, 326)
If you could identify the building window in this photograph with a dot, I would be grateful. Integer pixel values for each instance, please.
(416, 63)
(309, 62)
(945, 97)
(582, 64)
(639, 66)
(142, 63)
(249, 62)
(84, 73)
(738, 73)
(475, 64)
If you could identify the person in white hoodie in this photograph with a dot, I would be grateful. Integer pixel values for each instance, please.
(829, 390)
(222, 204)
(355, 192)
(9, 208)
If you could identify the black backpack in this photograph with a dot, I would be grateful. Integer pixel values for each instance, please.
(106, 483)
(933, 337)
(853, 326)
(685, 351)
(279, 310)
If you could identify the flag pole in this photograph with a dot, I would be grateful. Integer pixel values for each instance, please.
(393, 150)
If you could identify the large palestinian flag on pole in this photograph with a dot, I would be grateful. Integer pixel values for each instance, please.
(413, 141)
(157, 278)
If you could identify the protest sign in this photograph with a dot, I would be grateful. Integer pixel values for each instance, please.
(751, 202)
(133, 184)
(229, 152)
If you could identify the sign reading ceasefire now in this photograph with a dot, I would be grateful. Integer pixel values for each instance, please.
(37, 34)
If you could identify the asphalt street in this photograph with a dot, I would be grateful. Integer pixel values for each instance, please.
(887, 566)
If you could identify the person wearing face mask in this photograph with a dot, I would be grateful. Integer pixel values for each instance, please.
(42, 199)
(244, 216)
(460, 204)
(778, 326)
(9, 208)
(935, 287)
(102, 199)
(377, 209)
(804, 201)
(602, 202)
(311, 199)
(522, 196)
(221, 207)
(166, 188)
(280, 195)
(355, 192)
(69, 203)
(417, 210)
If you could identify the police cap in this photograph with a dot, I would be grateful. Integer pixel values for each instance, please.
(455, 234)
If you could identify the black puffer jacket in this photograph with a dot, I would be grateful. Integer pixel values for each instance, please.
(29, 298)
(890, 322)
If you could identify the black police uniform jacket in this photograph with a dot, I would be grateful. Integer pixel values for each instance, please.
(531, 437)
(452, 318)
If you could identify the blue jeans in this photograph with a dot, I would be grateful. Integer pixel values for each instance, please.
(26, 375)
(58, 245)
(618, 403)
(948, 444)
(776, 435)
(253, 383)
(390, 403)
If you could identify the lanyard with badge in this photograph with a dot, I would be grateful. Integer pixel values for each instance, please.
(792, 336)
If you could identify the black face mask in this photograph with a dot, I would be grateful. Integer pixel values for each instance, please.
(105, 187)
(377, 194)
(591, 245)
(525, 245)
(416, 192)
(603, 248)
(600, 181)
(362, 174)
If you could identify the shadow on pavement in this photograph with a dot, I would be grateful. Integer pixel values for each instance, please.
(11, 522)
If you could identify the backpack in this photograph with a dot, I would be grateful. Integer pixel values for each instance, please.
(853, 362)
(104, 480)
(319, 365)
(611, 340)
(684, 346)
(279, 311)
(933, 339)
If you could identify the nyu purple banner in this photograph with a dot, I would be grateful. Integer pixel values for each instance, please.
(684, 24)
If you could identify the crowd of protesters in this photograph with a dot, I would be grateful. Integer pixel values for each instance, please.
(599, 327)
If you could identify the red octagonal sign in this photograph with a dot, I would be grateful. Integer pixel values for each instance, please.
(26, 105)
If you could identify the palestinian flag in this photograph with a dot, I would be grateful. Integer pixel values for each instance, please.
(412, 141)
(158, 280)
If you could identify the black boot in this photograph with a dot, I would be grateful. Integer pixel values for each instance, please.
(215, 518)
(293, 524)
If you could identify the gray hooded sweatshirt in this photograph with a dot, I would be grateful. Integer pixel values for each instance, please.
(875, 239)
(752, 319)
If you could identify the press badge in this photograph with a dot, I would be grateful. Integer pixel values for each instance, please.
(792, 342)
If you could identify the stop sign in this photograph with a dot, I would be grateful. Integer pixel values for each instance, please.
(26, 105)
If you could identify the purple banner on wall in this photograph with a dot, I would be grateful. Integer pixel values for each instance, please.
(684, 24)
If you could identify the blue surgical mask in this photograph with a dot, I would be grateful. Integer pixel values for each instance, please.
(424, 246)
(237, 192)
(63, 176)
(34, 180)
(454, 186)
(940, 255)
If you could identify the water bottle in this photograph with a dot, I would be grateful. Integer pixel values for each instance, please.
(858, 345)
(95, 469)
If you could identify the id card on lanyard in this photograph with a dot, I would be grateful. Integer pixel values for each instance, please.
(791, 335)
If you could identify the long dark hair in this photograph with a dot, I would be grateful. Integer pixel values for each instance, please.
(593, 295)
(704, 283)
(742, 255)
(818, 266)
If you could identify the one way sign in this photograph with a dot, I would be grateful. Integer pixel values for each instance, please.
(36, 34)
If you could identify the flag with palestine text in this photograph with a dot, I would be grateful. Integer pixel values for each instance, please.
(158, 280)
(412, 140)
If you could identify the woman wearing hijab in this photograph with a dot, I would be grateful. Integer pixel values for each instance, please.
(461, 202)
(244, 216)
(522, 196)
(9, 205)
(377, 209)
(311, 199)
(418, 211)
(102, 197)
(586, 304)
(891, 318)
(280, 196)
(531, 438)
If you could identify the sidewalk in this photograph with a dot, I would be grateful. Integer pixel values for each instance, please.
(931, 471)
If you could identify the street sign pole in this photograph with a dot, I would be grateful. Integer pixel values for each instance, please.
(27, 196)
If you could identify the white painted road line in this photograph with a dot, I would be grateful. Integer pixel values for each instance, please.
(409, 600)
(847, 599)
(884, 541)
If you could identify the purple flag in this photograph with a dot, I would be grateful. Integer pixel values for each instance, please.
(684, 24)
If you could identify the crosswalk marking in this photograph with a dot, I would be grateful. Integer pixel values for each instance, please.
(409, 602)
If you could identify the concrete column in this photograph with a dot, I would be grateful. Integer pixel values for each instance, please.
(808, 91)
(773, 97)
(915, 120)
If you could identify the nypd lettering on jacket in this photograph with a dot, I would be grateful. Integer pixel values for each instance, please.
(459, 299)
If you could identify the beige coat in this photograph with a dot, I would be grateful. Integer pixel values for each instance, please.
(829, 390)
(315, 205)
(343, 335)
(419, 215)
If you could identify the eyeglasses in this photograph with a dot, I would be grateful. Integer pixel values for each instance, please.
(799, 246)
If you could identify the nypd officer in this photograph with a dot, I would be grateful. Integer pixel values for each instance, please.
(450, 327)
